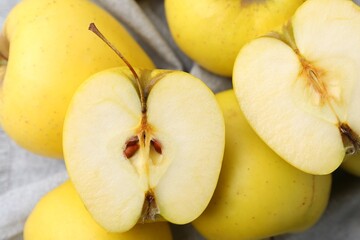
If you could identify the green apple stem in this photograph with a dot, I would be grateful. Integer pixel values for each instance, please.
(94, 29)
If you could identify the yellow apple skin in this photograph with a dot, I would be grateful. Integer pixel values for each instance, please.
(212, 32)
(51, 53)
(351, 164)
(61, 215)
(258, 195)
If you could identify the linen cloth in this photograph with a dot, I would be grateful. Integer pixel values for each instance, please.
(25, 177)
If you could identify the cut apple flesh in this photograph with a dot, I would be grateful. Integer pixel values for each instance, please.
(300, 91)
(131, 165)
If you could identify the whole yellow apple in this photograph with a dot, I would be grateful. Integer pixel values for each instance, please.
(212, 32)
(61, 215)
(258, 195)
(48, 53)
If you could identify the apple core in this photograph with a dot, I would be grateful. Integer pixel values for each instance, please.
(323, 90)
(151, 150)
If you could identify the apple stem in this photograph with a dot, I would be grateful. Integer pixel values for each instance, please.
(94, 29)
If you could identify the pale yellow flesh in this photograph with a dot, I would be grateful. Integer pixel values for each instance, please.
(258, 195)
(61, 215)
(51, 53)
(282, 103)
(183, 116)
(103, 115)
(212, 32)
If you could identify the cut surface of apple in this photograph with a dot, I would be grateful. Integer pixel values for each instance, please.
(300, 89)
(143, 155)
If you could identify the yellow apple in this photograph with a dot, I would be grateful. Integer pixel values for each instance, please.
(258, 195)
(61, 215)
(212, 32)
(49, 52)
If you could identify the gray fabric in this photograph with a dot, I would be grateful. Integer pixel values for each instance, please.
(25, 178)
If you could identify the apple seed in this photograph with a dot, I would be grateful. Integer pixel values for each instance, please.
(156, 145)
(131, 146)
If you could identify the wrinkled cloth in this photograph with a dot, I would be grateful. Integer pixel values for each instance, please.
(25, 177)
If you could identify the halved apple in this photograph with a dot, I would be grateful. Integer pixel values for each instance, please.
(300, 89)
(137, 148)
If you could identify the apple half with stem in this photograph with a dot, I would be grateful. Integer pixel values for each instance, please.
(143, 145)
(300, 89)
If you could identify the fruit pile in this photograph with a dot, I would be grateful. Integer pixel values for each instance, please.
(145, 147)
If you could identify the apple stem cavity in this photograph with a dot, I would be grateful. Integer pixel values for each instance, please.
(286, 35)
(94, 29)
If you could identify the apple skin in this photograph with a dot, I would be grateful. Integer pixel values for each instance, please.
(258, 195)
(351, 164)
(61, 215)
(51, 53)
(212, 32)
